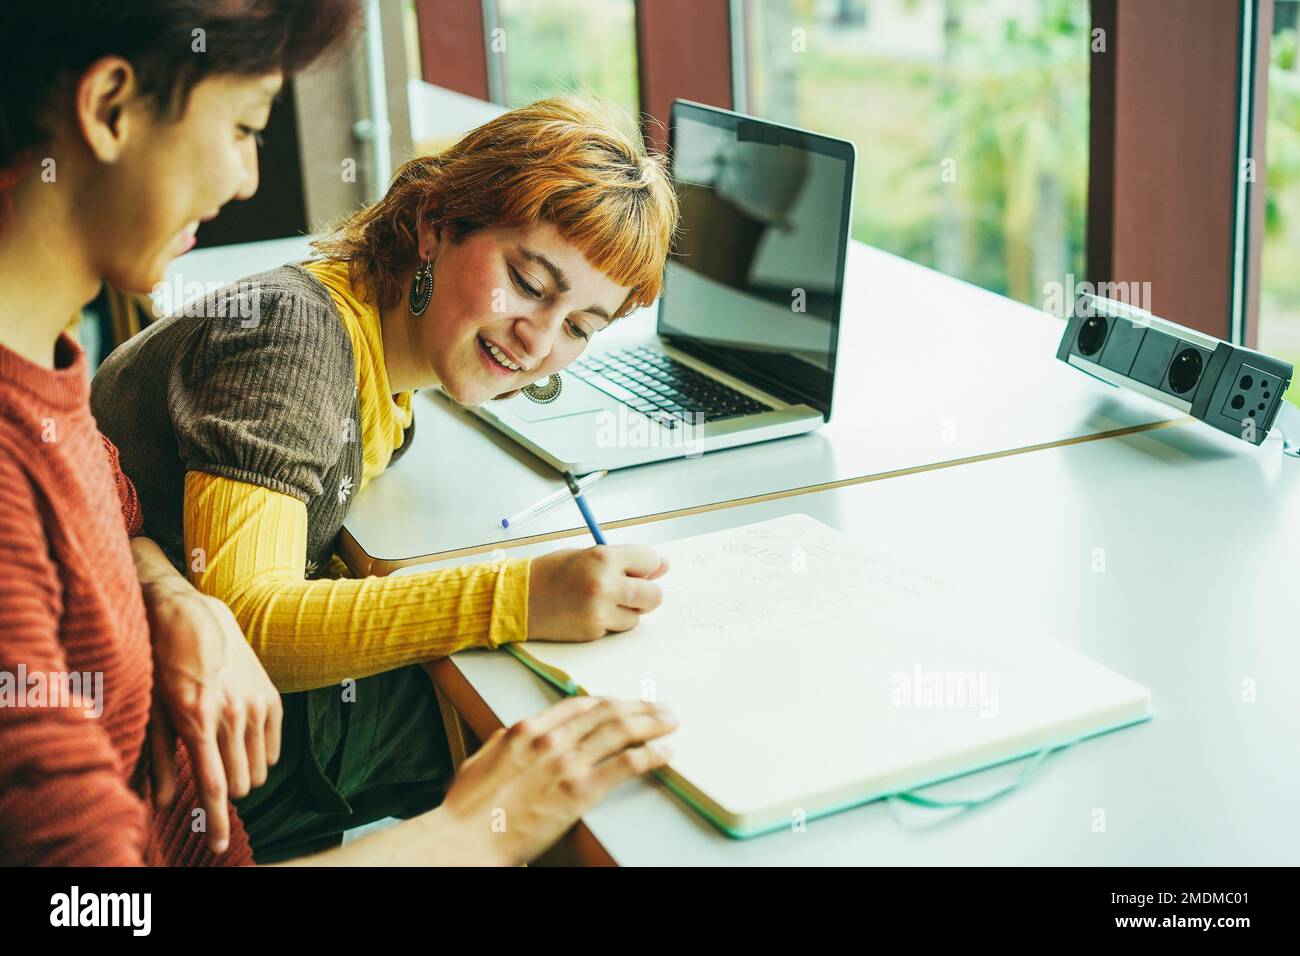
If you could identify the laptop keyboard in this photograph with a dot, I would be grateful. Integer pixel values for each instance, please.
(661, 388)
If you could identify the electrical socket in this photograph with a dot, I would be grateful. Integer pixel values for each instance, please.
(1251, 396)
(1229, 387)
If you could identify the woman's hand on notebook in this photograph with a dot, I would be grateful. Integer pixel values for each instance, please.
(581, 594)
(526, 786)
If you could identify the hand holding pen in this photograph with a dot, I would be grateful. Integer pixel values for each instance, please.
(581, 594)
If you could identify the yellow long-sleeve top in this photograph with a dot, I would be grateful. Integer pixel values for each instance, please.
(311, 633)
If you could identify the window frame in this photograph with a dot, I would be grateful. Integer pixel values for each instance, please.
(1174, 71)
(1213, 62)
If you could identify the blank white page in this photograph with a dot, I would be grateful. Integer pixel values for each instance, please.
(808, 672)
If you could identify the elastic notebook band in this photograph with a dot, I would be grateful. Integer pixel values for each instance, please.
(915, 799)
(1288, 423)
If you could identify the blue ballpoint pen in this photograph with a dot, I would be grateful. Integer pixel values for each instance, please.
(582, 506)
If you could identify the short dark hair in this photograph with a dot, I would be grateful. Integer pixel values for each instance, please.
(47, 44)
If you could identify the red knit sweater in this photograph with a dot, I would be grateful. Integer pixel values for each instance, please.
(72, 787)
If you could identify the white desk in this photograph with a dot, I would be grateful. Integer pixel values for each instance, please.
(1192, 603)
(931, 370)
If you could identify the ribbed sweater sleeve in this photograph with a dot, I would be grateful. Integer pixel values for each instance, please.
(248, 548)
(131, 515)
(264, 399)
(63, 796)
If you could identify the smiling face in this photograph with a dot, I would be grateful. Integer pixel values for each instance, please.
(510, 306)
(164, 175)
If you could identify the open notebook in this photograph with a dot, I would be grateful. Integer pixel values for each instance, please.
(809, 675)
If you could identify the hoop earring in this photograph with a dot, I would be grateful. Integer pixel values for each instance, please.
(547, 393)
(421, 289)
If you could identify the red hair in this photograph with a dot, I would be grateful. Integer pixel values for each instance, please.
(566, 160)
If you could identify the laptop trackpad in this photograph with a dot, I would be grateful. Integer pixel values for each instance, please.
(576, 398)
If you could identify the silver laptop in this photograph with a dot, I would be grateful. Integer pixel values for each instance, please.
(748, 324)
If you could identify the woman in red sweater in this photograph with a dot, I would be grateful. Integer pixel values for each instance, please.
(119, 131)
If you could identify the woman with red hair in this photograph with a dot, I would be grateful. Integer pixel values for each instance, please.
(249, 423)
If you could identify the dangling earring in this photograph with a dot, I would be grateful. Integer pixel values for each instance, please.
(542, 394)
(421, 289)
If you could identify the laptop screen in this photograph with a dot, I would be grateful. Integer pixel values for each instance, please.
(755, 280)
